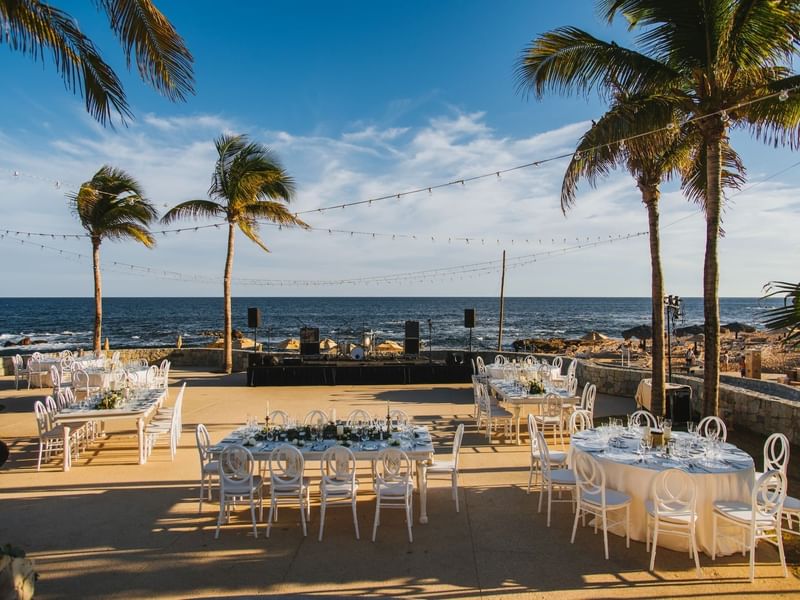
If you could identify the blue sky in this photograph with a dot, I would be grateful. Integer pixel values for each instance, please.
(362, 99)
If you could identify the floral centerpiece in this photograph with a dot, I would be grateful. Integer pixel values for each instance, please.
(536, 388)
(110, 399)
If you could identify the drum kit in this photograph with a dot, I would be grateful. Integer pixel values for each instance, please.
(357, 345)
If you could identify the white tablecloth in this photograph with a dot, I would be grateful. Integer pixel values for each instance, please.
(102, 378)
(644, 392)
(732, 481)
(43, 366)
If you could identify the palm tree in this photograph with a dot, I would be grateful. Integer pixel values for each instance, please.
(248, 184)
(38, 29)
(786, 316)
(111, 205)
(718, 64)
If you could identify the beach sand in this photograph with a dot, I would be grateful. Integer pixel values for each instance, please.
(110, 528)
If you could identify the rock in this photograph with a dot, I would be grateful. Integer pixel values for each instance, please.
(237, 335)
(26, 341)
(33, 342)
(9, 343)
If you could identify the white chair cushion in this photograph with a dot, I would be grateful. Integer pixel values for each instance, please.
(242, 489)
(613, 498)
(674, 517)
(498, 412)
(396, 489)
(339, 488)
(791, 504)
(444, 466)
(562, 476)
(740, 512)
(211, 467)
(282, 488)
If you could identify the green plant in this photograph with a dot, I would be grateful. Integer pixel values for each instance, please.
(786, 316)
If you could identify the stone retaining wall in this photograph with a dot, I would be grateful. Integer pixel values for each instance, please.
(771, 388)
(760, 412)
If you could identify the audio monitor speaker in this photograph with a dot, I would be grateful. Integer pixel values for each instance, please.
(469, 317)
(254, 318)
(411, 346)
(412, 329)
(309, 341)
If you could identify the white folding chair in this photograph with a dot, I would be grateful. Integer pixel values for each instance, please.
(588, 397)
(551, 417)
(500, 359)
(398, 418)
(287, 484)
(236, 481)
(595, 499)
(491, 414)
(672, 510)
(760, 519)
(338, 483)
(81, 387)
(393, 486)
(315, 417)
(279, 417)
(557, 458)
(50, 438)
(37, 375)
(450, 467)
(171, 425)
(560, 479)
(713, 427)
(579, 420)
(20, 372)
(640, 418)
(359, 418)
(776, 454)
(208, 467)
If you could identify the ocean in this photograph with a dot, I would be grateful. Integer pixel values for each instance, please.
(153, 322)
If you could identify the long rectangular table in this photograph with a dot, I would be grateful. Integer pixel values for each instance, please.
(421, 453)
(508, 393)
(141, 407)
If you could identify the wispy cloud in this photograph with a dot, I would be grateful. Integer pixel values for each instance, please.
(519, 212)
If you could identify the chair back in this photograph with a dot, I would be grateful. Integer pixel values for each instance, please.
(80, 381)
(315, 417)
(572, 368)
(572, 385)
(235, 468)
(52, 411)
(203, 443)
(457, 443)
(530, 360)
(589, 396)
(115, 357)
(67, 362)
(776, 453)
(558, 362)
(279, 417)
(151, 377)
(16, 361)
(640, 418)
(42, 417)
(713, 427)
(768, 496)
(37, 356)
(543, 455)
(551, 407)
(163, 373)
(55, 377)
(61, 399)
(590, 476)
(483, 399)
(532, 431)
(286, 466)
(392, 465)
(673, 493)
(142, 362)
(579, 420)
(359, 418)
(398, 418)
(500, 359)
(481, 365)
(338, 465)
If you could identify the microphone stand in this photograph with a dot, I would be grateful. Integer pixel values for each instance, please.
(430, 341)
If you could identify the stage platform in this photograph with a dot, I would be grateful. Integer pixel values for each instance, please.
(304, 371)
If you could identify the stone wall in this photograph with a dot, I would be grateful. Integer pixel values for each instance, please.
(740, 407)
(771, 388)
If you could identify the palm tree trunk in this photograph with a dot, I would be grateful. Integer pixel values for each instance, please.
(650, 197)
(711, 272)
(228, 330)
(98, 296)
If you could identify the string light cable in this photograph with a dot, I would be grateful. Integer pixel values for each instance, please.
(782, 95)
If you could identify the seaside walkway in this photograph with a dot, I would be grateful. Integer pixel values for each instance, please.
(111, 528)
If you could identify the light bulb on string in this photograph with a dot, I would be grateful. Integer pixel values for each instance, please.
(783, 96)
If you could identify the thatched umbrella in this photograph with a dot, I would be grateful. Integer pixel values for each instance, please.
(594, 337)
(640, 332)
(737, 328)
(289, 344)
(390, 347)
(689, 330)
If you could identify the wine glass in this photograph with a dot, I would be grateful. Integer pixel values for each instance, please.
(364, 434)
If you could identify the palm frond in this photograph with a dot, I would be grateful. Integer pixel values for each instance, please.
(251, 228)
(162, 58)
(761, 32)
(274, 212)
(694, 183)
(786, 316)
(568, 58)
(37, 29)
(773, 120)
(193, 209)
(123, 231)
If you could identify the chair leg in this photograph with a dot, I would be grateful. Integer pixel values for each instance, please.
(202, 490)
(321, 517)
(39, 462)
(455, 489)
(693, 546)
(714, 537)
(221, 515)
(253, 514)
(628, 526)
(377, 517)
(303, 514)
(605, 533)
(752, 556)
(408, 520)
(269, 517)
(355, 518)
(779, 538)
(549, 501)
(575, 523)
(655, 544)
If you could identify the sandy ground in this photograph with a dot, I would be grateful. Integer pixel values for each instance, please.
(113, 529)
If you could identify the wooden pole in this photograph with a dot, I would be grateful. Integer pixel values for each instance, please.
(502, 304)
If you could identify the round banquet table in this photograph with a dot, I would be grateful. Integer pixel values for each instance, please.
(729, 477)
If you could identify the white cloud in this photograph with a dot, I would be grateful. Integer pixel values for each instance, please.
(519, 212)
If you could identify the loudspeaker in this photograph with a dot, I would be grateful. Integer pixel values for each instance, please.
(309, 341)
(411, 345)
(453, 359)
(254, 318)
(469, 317)
(412, 329)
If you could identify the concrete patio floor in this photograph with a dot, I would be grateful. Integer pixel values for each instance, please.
(111, 528)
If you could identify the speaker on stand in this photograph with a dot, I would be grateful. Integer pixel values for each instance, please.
(254, 322)
(309, 341)
(411, 341)
(469, 322)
